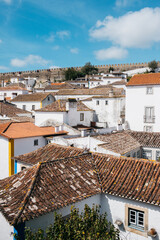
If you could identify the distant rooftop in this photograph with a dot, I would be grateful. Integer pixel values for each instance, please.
(145, 79)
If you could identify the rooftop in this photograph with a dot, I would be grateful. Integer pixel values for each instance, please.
(75, 178)
(13, 130)
(60, 106)
(49, 152)
(35, 97)
(10, 110)
(57, 86)
(93, 91)
(145, 79)
(119, 142)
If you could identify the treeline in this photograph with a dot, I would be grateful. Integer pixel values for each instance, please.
(87, 69)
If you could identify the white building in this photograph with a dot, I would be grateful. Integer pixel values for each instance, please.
(68, 111)
(143, 102)
(10, 92)
(127, 189)
(109, 109)
(19, 138)
(31, 102)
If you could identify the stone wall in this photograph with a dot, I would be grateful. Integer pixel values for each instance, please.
(58, 74)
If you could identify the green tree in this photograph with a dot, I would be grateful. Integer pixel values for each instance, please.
(153, 65)
(71, 73)
(88, 225)
(88, 68)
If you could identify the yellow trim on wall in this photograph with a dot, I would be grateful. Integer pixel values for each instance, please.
(40, 104)
(11, 154)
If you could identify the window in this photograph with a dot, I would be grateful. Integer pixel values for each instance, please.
(5, 94)
(149, 90)
(106, 102)
(36, 142)
(148, 129)
(81, 116)
(136, 219)
(149, 115)
(147, 154)
(23, 168)
(134, 154)
(48, 98)
(14, 94)
(157, 155)
(33, 107)
(97, 102)
(24, 107)
(139, 154)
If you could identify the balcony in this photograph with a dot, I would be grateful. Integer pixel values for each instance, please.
(149, 119)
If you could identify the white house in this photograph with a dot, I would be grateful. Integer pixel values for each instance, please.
(68, 111)
(9, 111)
(81, 94)
(126, 188)
(55, 87)
(109, 109)
(18, 138)
(31, 102)
(143, 102)
(10, 92)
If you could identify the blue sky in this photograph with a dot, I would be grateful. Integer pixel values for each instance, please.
(64, 33)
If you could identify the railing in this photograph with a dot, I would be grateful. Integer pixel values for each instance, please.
(149, 119)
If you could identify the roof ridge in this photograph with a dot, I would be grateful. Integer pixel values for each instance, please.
(25, 200)
(66, 158)
(7, 127)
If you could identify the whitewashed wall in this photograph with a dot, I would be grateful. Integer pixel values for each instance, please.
(26, 145)
(136, 101)
(109, 113)
(28, 105)
(41, 117)
(45, 220)
(4, 157)
(6, 229)
(9, 93)
(115, 208)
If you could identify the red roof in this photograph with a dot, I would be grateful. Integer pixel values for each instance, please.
(145, 79)
(15, 130)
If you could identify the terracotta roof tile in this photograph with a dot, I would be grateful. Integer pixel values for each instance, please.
(145, 79)
(10, 110)
(146, 139)
(60, 183)
(57, 86)
(120, 142)
(74, 178)
(49, 152)
(26, 129)
(92, 91)
(60, 106)
(31, 97)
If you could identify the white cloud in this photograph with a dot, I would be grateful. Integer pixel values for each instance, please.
(74, 50)
(6, 1)
(56, 47)
(63, 34)
(50, 38)
(29, 60)
(111, 53)
(138, 29)
(3, 68)
(54, 67)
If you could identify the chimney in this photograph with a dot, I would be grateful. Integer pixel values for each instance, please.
(111, 92)
(71, 104)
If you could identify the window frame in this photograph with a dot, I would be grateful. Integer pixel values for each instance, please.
(24, 107)
(146, 150)
(134, 218)
(97, 102)
(35, 142)
(106, 102)
(81, 117)
(149, 92)
(139, 231)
